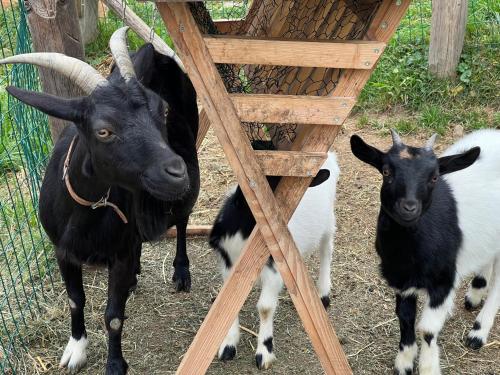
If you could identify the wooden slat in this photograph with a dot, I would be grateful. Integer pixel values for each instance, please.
(382, 28)
(226, 26)
(191, 231)
(307, 53)
(290, 163)
(292, 108)
(260, 198)
(203, 126)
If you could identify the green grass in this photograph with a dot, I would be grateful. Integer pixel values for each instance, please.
(402, 86)
(96, 51)
(411, 99)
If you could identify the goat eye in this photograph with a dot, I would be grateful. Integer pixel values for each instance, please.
(103, 133)
(386, 172)
(434, 179)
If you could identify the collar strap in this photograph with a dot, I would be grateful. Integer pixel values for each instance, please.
(103, 202)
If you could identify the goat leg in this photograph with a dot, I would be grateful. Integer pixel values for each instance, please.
(406, 310)
(182, 276)
(121, 278)
(75, 353)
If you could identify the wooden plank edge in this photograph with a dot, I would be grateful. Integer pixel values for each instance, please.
(191, 231)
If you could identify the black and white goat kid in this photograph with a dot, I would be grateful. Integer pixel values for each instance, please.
(312, 227)
(130, 148)
(434, 229)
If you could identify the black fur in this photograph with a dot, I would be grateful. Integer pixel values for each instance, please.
(475, 343)
(428, 337)
(406, 311)
(476, 326)
(228, 354)
(325, 300)
(268, 343)
(479, 282)
(150, 165)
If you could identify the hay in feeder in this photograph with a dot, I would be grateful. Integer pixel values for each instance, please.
(285, 19)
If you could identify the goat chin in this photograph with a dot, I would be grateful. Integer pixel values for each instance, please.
(167, 191)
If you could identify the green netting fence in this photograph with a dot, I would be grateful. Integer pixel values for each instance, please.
(26, 259)
(25, 263)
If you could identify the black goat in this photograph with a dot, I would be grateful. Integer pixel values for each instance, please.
(132, 149)
(435, 228)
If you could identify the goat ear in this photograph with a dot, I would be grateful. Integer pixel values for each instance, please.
(366, 153)
(322, 176)
(65, 109)
(453, 163)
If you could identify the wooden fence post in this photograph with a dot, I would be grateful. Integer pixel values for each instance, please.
(88, 14)
(54, 27)
(449, 18)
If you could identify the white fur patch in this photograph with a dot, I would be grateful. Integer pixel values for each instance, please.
(477, 192)
(72, 303)
(432, 319)
(115, 324)
(233, 245)
(75, 354)
(486, 316)
(232, 338)
(406, 357)
(429, 359)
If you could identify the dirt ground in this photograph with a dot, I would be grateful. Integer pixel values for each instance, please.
(161, 323)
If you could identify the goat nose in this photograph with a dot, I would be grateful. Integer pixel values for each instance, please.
(176, 168)
(409, 206)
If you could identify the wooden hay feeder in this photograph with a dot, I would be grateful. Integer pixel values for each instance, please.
(289, 71)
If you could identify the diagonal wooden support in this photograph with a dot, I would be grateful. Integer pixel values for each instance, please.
(253, 183)
(288, 194)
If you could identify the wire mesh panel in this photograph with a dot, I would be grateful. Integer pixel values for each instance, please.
(294, 20)
(25, 260)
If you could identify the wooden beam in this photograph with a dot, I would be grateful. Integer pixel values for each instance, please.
(292, 108)
(88, 14)
(290, 163)
(191, 231)
(449, 19)
(56, 30)
(305, 53)
(260, 198)
(203, 126)
(226, 26)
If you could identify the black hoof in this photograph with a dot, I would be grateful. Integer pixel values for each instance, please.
(407, 371)
(474, 343)
(259, 362)
(326, 301)
(468, 305)
(182, 279)
(228, 354)
(116, 367)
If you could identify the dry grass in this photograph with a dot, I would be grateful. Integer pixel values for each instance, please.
(161, 324)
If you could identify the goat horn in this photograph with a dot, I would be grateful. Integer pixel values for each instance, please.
(119, 50)
(79, 72)
(396, 139)
(430, 143)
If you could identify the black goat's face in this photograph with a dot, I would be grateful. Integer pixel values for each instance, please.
(128, 141)
(409, 175)
(122, 123)
(124, 128)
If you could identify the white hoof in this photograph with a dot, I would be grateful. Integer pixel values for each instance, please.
(75, 354)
